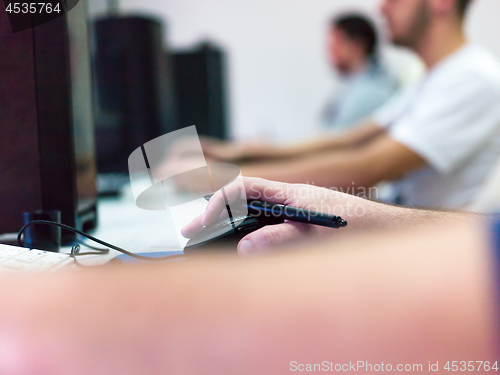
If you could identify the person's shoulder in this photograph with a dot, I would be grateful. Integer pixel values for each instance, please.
(477, 62)
(472, 66)
(478, 53)
(379, 75)
(379, 70)
(482, 60)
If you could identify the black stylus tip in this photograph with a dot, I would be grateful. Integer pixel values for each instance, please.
(341, 223)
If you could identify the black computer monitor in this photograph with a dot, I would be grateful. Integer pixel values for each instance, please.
(132, 86)
(199, 77)
(46, 122)
(82, 115)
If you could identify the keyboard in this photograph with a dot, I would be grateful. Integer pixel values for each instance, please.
(13, 258)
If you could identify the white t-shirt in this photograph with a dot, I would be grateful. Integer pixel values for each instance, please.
(451, 119)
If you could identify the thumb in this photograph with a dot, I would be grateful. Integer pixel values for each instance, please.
(265, 239)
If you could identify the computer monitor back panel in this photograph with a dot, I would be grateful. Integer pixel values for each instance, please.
(18, 126)
(200, 95)
(46, 128)
(132, 87)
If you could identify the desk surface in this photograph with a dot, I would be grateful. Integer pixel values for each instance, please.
(122, 223)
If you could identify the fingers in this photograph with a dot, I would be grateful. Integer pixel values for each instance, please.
(194, 227)
(244, 188)
(312, 198)
(269, 191)
(269, 237)
(217, 205)
(191, 229)
(233, 195)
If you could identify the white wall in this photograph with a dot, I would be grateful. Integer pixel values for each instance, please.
(483, 24)
(278, 75)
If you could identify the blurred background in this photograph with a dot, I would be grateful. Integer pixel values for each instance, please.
(277, 74)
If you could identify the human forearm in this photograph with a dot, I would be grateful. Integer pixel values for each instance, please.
(381, 159)
(341, 141)
(257, 151)
(306, 147)
(252, 151)
(340, 170)
(412, 298)
(360, 213)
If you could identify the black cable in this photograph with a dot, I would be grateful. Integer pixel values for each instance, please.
(76, 248)
(98, 250)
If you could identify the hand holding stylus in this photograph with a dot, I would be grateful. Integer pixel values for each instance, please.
(326, 203)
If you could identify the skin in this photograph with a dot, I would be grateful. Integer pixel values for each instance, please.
(235, 151)
(406, 297)
(358, 212)
(413, 294)
(434, 30)
(379, 160)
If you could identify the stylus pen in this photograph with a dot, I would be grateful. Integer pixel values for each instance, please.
(258, 208)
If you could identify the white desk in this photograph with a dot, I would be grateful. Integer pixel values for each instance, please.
(122, 223)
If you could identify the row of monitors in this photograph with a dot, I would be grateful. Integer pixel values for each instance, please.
(144, 91)
(68, 90)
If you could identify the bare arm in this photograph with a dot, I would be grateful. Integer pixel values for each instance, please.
(251, 151)
(406, 298)
(380, 159)
(360, 213)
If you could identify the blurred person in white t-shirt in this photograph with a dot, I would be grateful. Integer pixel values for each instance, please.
(439, 140)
